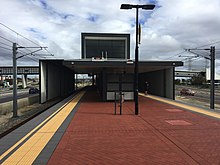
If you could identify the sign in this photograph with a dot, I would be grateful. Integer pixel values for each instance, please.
(139, 33)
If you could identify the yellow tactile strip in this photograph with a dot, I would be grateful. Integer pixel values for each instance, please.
(191, 108)
(28, 152)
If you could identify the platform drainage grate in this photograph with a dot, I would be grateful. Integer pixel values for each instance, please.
(178, 122)
(174, 110)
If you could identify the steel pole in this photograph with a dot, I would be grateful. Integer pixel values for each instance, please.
(136, 67)
(15, 114)
(212, 79)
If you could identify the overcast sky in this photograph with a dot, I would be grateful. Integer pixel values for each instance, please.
(174, 25)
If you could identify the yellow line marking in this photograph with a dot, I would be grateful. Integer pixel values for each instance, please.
(42, 136)
(20, 141)
(192, 108)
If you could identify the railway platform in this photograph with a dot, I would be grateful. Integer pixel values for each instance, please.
(84, 130)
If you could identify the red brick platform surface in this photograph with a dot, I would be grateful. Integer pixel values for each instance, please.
(161, 134)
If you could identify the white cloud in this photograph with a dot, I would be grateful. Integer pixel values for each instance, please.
(190, 22)
(172, 26)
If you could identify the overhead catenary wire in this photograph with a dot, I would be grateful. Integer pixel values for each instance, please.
(10, 42)
(32, 58)
(175, 55)
(206, 45)
(18, 34)
(48, 52)
(5, 48)
(196, 48)
(23, 53)
(31, 53)
(200, 55)
(2, 43)
(190, 59)
(7, 39)
(20, 52)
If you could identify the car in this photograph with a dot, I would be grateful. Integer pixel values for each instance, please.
(187, 92)
(33, 90)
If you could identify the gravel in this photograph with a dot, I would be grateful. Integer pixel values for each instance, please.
(8, 122)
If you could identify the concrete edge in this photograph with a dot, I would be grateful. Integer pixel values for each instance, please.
(7, 107)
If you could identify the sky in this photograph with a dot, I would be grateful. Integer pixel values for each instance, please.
(167, 31)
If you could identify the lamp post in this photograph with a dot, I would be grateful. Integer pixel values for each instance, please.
(145, 7)
(212, 78)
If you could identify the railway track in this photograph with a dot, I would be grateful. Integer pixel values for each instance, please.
(201, 97)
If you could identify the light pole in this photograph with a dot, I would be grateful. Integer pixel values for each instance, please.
(145, 7)
(212, 78)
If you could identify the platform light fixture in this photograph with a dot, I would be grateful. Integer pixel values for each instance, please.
(144, 7)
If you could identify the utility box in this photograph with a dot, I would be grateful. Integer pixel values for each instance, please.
(103, 46)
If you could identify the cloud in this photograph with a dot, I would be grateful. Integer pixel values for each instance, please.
(166, 31)
(191, 23)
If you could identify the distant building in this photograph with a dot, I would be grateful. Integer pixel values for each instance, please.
(208, 77)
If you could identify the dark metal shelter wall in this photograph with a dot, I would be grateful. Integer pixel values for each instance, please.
(55, 80)
(161, 82)
(105, 45)
(68, 81)
(101, 84)
(57, 77)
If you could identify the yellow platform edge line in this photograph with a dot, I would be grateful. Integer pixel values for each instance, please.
(33, 130)
(22, 155)
(191, 108)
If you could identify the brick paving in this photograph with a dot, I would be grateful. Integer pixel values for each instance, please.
(96, 136)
